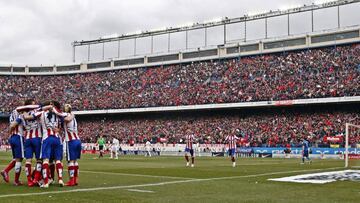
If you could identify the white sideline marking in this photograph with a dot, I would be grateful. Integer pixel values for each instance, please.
(160, 183)
(136, 190)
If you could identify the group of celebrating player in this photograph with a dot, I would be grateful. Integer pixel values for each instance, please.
(38, 130)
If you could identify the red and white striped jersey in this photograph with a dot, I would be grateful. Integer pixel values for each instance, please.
(190, 141)
(32, 128)
(71, 131)
(70, 128)
(15, 117)
(50, 123)
(231, 140)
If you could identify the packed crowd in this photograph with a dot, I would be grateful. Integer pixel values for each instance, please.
(269, 130)
(314, 73)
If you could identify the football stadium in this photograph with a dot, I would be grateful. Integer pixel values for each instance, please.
(261, 104)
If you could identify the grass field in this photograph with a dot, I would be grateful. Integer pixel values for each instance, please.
(166, 179)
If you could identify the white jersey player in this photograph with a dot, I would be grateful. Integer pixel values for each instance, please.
(148, 148)
(115, 149)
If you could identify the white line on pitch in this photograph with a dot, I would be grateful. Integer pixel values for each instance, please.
(136, 190)
(161, 183)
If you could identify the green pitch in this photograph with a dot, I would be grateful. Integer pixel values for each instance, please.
(166, 179)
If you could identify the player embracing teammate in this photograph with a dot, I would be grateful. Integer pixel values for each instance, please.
(51, 148)
(73, 143)
(33, 139)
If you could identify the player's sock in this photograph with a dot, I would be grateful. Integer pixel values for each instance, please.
(76, 172)
(187, 158)
(192, 160)
(71, 169)
(17, 171)
(52, 171)
(303, 159)
(59, 170)
(10, 166)
(28, 172)
(37, 175)
(46, 172)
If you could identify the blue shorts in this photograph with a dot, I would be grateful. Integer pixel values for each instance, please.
(32, 146)
(58, 153)
(306, 153)
(232, 152)
(17, 146)
(191, 151)
(51, 148)
(73, 150)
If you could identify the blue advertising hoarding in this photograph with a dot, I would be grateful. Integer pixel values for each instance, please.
(280, 150)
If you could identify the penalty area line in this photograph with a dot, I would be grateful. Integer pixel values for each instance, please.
(161, 183)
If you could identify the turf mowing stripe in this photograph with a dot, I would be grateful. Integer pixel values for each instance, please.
(162, 183)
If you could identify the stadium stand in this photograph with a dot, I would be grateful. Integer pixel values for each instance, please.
(313, 73)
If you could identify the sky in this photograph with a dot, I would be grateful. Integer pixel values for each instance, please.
(40, 32)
